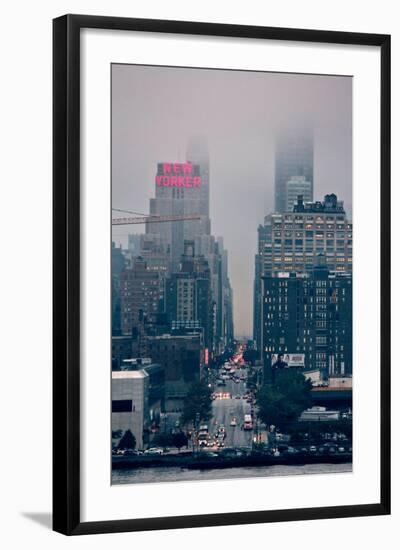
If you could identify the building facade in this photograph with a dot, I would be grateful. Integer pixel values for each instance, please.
(264, 236)
(297, 238)
(141, 296)
(130, 405)
(189, 294)
(182, 358)
(309, 313)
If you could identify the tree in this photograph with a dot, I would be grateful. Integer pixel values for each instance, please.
(128, 441)
(163, 440)
(197, 402)
(179, 439)
(282, 402)
(251, 356)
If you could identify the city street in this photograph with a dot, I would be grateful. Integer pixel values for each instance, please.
(224, 410)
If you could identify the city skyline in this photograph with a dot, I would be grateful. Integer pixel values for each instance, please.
(239, 114)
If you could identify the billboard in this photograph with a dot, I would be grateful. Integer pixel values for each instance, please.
(291, 359)
(178, 174)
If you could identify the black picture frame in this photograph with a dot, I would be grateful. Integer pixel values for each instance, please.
(66, 272)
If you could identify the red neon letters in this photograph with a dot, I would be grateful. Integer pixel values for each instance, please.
(178, 175)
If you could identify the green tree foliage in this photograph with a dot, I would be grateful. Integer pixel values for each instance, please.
(221, 359)
(162, 440)
(128, 441)
(197, 402)
(282, 402)
(251, 356)
(179, 439)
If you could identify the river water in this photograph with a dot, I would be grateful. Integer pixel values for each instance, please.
(157, 475)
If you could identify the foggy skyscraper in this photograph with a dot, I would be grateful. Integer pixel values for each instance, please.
(294, 157)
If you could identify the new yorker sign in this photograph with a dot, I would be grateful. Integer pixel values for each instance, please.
(177, 174)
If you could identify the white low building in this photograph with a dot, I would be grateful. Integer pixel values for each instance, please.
(130, 409)
(318, 414)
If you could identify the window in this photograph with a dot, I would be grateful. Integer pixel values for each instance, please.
(122, 405)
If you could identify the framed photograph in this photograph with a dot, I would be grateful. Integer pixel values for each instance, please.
(221, 274)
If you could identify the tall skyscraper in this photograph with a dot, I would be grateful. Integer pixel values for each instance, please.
(294, 157)
(303, 286)
(297, 186)
(178, 191)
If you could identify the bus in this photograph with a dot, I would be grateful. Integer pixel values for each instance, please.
(248, 422)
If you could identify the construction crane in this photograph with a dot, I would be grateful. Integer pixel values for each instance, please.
(153, 219)
(147, 218)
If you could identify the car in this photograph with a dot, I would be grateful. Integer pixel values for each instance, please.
(221, 429)
(238, 397)
(154, 451)
(220, 443)
(341, 449)
(210, 443)
(313, 449)
(291, 451)
(130, 452)
(233, 422)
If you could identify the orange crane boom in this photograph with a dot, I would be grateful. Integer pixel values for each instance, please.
(154, 219)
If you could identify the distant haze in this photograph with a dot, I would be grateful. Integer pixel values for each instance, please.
(156, 110)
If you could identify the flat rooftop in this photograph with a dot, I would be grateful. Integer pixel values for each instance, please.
(123, 374)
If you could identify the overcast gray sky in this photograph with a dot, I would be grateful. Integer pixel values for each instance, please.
(156, 110)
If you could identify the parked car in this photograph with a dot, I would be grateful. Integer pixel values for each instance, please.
(154, 451)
